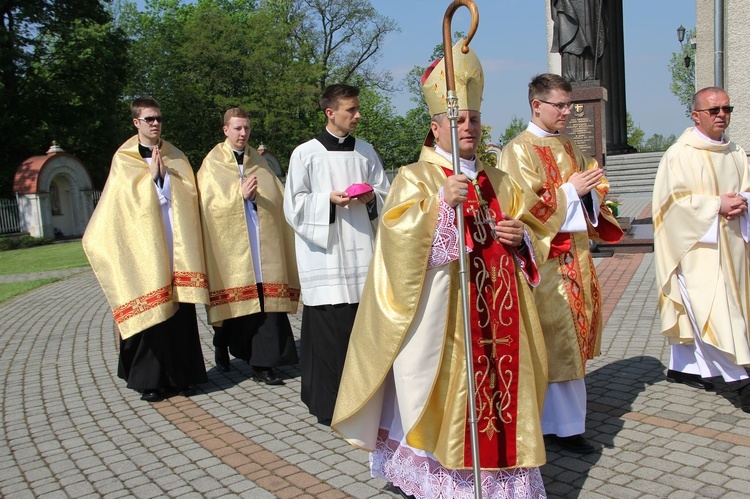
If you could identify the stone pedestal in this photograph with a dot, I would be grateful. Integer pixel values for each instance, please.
(586, 124)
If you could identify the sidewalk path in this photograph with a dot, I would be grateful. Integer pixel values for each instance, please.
(48, 274)
(70, 428)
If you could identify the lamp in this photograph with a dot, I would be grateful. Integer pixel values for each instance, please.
(681, 39)
(681, 34)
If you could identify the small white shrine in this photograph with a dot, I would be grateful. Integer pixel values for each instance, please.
(54, 193)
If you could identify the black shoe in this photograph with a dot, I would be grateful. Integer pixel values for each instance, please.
(188, 392)
(267, 376)
(221, 357)
(324, 421)
(395, 489)
(574, 443)
(152, 396)
(744, 394)
(691, 380)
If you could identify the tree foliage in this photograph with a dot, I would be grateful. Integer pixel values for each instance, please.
(516, 126)
(343, 37)
(62, 70)
(634, 133)
(683, 78)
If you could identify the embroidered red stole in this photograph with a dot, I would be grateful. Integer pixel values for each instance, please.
(495, 329)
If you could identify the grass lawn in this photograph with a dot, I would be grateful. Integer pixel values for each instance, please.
(50, 257)
(9, 290)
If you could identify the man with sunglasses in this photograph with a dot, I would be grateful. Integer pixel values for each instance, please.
(701, 233)
(145, 247)
(565, 190)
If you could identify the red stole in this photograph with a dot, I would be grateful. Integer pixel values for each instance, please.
(495, 329)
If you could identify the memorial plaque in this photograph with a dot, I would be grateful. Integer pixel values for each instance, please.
(580, 128)
(586, 124)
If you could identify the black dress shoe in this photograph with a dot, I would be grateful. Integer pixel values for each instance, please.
(692, 380)
(189, 391)
(395, 489)
(221, 357)
(744, 393)
(152, 396)
(324, 421)
(266, 375)
(573, 443)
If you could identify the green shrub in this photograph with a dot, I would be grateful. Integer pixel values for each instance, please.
(30, 242)
(6, 243)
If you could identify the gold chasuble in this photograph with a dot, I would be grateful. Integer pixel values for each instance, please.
(691, 176)
(229, 259)
(127, 248)
(409, 320)
(568, 298)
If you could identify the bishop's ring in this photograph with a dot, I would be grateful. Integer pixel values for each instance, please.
(463, 192)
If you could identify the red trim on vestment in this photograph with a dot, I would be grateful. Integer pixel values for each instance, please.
(547, 204)
(190, 279)
(142, 304)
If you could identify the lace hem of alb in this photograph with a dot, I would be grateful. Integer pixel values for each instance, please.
(424, 477)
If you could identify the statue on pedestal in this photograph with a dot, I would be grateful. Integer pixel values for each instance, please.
(578, 36)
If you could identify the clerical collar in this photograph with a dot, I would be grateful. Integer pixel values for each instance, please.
(338, 138)
(539, 131)
(335, 143)
(468, 166)
(709, 139)
(239, 156)
(145, 151)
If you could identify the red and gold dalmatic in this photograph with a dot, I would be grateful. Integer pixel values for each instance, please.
(229, 258)
(126, 245)
(412, 332)
(568, 297)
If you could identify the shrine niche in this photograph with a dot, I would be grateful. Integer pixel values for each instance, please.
(55, 194)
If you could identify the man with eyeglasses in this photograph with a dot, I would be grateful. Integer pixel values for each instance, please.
(145, 247)
(252, 274)
(701, 233)
(565, 190)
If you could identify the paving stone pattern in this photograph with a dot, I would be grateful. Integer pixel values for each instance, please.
(70, 428)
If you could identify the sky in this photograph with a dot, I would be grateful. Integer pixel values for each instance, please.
(511, 43)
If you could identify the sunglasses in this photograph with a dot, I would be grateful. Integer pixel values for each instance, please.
(151, 119)
(714, 111)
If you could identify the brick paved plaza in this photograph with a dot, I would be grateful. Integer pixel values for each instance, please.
(70, 428)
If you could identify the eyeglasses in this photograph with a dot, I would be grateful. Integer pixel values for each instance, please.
(150, 119)
(561, 106)
(714, 111)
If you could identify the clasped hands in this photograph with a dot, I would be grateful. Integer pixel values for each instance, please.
(509, 231)
(732, 205)
(586, 181)
(157, 169)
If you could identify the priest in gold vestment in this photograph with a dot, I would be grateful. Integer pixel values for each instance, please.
(565, 191)
(403, 394)
(701, 236)
(252, 271)
(144, 245)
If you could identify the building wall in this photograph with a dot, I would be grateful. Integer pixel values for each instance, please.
(736, 60)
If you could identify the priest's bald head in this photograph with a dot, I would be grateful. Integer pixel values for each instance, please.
(469, 87)
(712, 112)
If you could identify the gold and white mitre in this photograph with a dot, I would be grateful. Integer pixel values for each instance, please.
(469, 82)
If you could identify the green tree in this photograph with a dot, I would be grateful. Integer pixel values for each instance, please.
(343, 38)
(200, 59)
(61, 74)
(516, 126)
(683, 78)
(658, 142)
(634, 133)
